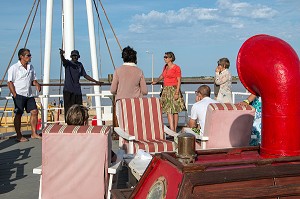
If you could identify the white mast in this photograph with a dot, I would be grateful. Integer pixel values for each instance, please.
(68, 30)
(68, 34)
(89, 10)
(47, 60)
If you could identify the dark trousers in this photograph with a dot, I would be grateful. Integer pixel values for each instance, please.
(70, 99)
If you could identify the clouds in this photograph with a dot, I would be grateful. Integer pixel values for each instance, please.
(210, 29)
(188, 16)
(236, 14)
(244, 9)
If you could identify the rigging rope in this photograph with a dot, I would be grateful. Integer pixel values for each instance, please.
(110, 25)
(17, 45)
(14, 52)
(99, 48)
(31, 24)
(62, 47)
(104, 35)
(41, 43)
(36, 6)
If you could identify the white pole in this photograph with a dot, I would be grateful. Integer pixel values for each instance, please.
(68, 9)
(47, 60)
(152, 70)
(152, 67)
(89, 10)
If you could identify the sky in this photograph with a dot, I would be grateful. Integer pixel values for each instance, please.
(199, 32)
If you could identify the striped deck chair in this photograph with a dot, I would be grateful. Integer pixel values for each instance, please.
(226, 125)
(74, 161)
(141, 126)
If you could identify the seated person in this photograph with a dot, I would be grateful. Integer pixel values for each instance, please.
(79, 115)
(255, 101)
(198, 111)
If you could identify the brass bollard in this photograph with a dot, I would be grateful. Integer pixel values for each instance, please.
(186, 148)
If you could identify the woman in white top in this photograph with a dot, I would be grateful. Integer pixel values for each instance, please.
(223, 78)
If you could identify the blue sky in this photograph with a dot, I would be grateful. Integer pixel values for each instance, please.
(199, 32)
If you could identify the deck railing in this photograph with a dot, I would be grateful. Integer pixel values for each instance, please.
(106, 109)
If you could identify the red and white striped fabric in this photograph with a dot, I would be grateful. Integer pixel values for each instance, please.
(54, 128)
(75, 161)
(142, 118)
(229, 107)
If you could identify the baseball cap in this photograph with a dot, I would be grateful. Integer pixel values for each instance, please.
(75, 52)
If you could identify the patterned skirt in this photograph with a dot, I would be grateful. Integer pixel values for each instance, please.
(169, 104)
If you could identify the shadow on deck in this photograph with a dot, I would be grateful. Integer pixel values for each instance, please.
(17, 160)
(16, 163)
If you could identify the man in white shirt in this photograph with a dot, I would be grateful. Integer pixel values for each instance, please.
(198, 111)
(21, 76)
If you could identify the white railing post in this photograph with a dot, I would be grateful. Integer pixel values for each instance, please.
(47, 59)
(187, 107)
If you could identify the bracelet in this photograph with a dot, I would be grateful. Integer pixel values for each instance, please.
(176, 93)
(247, 101)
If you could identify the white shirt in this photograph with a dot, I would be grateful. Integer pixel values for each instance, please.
(22, 78)
(198, 111)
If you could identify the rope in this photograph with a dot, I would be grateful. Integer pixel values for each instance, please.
(31, 24)
(41, 43)
(36, 6)
(14, 52)
(110, 26)
(104, 35)
(99, 48)
(62, 45)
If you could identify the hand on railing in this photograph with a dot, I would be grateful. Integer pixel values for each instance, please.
(99, 83)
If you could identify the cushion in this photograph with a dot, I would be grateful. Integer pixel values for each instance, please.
(228, 125)
(74, 161)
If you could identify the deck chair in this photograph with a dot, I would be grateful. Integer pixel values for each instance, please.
(141, 126)
(107, 112)
(226, 125)
(75, 162)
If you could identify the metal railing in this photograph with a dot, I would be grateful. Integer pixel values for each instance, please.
(106, 110)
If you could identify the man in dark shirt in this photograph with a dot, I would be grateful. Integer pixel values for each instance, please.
(73, 71)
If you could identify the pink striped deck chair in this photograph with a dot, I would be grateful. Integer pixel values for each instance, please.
(75, 161)
(141, 126)
(226, 125)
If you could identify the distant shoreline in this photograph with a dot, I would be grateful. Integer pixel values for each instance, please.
(148, 80)
(186, 79)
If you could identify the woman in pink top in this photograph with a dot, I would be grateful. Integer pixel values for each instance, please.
(171, 99)
(128, 80)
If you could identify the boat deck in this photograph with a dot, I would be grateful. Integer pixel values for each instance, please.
(17, 160)
(16, 163)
